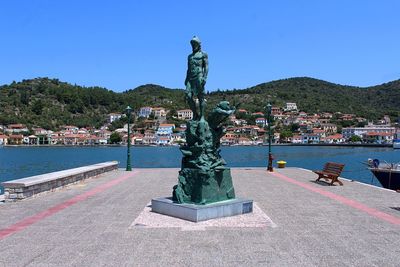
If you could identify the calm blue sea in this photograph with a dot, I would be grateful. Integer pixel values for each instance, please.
(19, 162)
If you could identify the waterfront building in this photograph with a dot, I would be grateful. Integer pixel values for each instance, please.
(91, 140)
(3, 139)
(149, 137)
(378, 138)
(32, 140)
(230, 138)
(185, 114)
(319, 132)
(370, 128)
(56, 138)
(137, 139)
(71, 139)
(334, 139)
(16, 128)
(145, 112)
(308, 138)
(296, 139)
(15, 139)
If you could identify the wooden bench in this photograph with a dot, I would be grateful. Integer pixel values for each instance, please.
(331, 171)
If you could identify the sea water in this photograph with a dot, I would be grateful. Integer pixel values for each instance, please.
(20, 162)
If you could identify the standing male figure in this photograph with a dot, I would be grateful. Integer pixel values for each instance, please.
(196, 78)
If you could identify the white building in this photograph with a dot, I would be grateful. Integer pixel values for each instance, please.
(159, 113)
(185, 114)
(310, 138)
(261, 122)
(114, 116)
(165, 129)
(145, 112)
(370, 128)
(329, 128)
(290, 106)
(16, 128)
(3, 139)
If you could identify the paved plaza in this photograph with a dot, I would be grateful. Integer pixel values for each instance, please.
(106, 221)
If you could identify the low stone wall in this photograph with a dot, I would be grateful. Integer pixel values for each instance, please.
(26, 187)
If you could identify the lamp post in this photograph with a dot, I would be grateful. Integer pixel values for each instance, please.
(128, 159)
(270, 158)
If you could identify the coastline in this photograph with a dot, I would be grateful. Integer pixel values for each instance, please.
(288, 144)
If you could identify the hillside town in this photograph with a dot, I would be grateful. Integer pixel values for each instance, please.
(151, 126)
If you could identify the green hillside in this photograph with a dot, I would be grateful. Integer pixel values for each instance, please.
(50, 103)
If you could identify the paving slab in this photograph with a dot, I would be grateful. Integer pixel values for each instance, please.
(92, 224)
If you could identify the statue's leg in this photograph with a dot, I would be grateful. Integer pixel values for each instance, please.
(200, 95)
(189, 99)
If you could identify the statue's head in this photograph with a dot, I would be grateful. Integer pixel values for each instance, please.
(196, 43)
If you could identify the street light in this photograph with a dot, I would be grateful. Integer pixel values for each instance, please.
(270, 158)
(128, 159)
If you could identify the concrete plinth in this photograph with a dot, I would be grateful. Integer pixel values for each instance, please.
(197, 213)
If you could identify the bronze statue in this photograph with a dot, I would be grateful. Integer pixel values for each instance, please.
(203, 177)
(196, 78)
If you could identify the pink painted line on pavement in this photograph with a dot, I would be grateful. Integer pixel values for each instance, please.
(24, 223)
(349, 202)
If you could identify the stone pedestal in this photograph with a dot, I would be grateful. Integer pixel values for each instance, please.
(197, 213)
(204, 186)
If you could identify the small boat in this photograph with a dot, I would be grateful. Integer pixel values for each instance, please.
(388, 174)
(396, 143)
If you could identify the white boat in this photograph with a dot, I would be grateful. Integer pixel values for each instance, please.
(396, 143)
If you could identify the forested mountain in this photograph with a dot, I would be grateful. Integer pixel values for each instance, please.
(50, 103)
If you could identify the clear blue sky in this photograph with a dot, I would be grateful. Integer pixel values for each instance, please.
(123, 44)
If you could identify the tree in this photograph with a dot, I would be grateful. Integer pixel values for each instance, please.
(355, 138)
(115, 138)
(37, 107)
(285, 133)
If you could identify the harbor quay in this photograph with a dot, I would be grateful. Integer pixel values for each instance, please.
(106, 220)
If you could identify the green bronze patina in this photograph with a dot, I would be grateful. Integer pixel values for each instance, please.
(203, 177)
